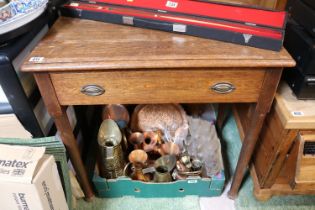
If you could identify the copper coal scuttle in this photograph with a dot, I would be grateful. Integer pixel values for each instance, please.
(159, 142)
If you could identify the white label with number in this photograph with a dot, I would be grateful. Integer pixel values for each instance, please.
(192, 181)
(36, 59)
(74, 4)
(127, 20)
(171, 4)
(297, 113)
(179, 28)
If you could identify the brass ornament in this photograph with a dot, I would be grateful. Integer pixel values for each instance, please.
(109, 140)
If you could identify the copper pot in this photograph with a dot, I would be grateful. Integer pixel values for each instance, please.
(136, 139)
(118, 113)
(169, 148)
(150, 141)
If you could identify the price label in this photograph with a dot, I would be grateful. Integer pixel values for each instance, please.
(36, 59)
(179, 28)
(297, 113)
(171, 4)
(127, 20)
(73, 4)
(192, 181)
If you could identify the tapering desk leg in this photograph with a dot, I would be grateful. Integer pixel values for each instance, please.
(221, 116)
(58, 112)
(263, 106)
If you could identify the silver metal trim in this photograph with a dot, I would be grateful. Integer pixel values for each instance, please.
(92, 90)
(223, 87)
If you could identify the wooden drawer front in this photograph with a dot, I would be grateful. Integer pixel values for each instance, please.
(158, 86)
(305, 168)
(300, 164)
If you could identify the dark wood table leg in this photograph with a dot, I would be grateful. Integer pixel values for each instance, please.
(62, 122)
(221, 117)
(263, 106)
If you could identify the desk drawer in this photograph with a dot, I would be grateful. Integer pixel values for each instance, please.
(158, 86)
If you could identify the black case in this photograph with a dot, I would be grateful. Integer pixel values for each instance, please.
(301, 46)
(210, 33)
(303, 14)
(19, 102)
(310, 3)
(302, 85)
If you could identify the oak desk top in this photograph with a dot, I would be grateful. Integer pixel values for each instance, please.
(76, 44)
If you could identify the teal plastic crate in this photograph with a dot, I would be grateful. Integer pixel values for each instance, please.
(124, 186)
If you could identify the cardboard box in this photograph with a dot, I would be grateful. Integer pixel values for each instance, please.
(125, 186)
(29, 180)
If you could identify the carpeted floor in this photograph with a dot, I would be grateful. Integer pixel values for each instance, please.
(131, 203)
(245, 201)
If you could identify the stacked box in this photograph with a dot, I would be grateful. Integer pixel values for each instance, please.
(300, 42)
(235, 24)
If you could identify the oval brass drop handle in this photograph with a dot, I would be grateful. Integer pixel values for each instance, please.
(92, 90)
(223, 87)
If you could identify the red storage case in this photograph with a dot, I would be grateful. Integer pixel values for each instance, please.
(233, 28)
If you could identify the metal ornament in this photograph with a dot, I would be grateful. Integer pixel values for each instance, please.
(150, 141)
(185, 159)
(138, 160)
(109, 140)
(167, 160)
(162, 174)
(136, 139)
(169, 119)
(196, 165)
(163, 167)
(138, 156)
(169, 148)
(118, 113)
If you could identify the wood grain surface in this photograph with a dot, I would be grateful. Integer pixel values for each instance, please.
(282, 185)
(255, 124)
(272, 147)
(294, 113)
(268, 4)
(77, 44)
(158, 86)
(65, 130)
(305, 167)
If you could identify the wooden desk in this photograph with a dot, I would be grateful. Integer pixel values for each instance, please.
(132, 66)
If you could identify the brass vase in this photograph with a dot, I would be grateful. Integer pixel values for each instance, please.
(109, 141)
